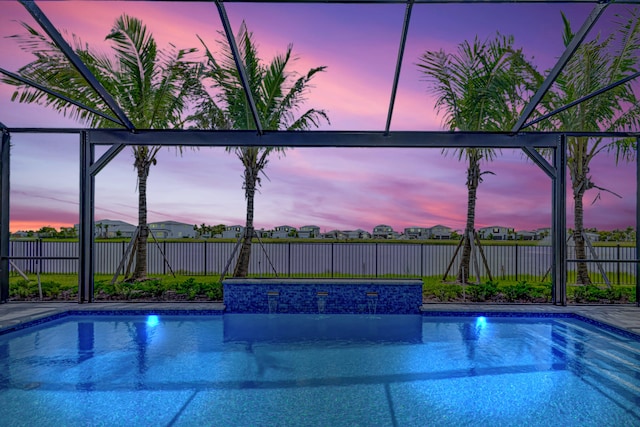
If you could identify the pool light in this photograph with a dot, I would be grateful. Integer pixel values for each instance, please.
(153, 320)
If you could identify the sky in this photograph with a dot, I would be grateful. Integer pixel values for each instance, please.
(334, 188)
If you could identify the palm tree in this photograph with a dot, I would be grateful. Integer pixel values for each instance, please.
(150, 86)
(278, 94)
(594, 65)
(478, 88)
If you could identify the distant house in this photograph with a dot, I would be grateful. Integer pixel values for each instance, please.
(416, 233)
(358, 234)
(541, 233)
(334, 234)
(171, 230)
(496, 232)
(283, 232)
(111, 228)
(21, 234)
(383, 231)
(440, 232)
(232, 232)
(309, 232)
(526, 235)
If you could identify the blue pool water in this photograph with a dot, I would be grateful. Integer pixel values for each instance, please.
(310, 370)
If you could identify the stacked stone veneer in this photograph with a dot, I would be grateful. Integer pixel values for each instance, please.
(340, 296)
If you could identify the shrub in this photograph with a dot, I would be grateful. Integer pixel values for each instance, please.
(482, 291)
(521, 291)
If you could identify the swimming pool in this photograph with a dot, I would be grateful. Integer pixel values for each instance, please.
(181, 369)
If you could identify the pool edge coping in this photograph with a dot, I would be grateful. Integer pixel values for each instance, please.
(20, 325)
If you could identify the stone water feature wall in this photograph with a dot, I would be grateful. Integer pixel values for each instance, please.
(338, 296)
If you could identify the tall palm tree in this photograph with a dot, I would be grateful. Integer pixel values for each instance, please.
(478, 88)
(596, 64)
(150, 86)
(278, 95)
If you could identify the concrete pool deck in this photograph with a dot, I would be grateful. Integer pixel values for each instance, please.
(625, 317)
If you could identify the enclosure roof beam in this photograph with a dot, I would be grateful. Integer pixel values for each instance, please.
(539, 160)
(239, 65)
(405, 1)
(57, 38)
(396, 76)
(104, 160)
(562, 61)
(583, 99)
(58, 95)
(399, 139)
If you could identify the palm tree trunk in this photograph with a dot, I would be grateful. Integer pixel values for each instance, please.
(140, 272)
(578, 235)
(242, 265)
(473, 175)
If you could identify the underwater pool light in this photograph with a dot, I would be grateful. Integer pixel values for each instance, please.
(153, 320)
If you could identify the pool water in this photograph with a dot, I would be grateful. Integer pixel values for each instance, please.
(311, 370)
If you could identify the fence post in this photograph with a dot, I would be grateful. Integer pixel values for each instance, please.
(332, 243)
(164, 264)
(376, 259)
(516, 257)
(205, 257)
(39, 261)
(421, 260)
(618, 263)
(289, 258)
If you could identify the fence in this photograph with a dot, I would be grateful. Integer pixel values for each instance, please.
(322, 259)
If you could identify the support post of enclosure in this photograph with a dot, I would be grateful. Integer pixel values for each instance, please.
(4, 216)
(637, 257)
(559, 224)
(86, 226)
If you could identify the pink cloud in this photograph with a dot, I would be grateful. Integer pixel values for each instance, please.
(333, 188)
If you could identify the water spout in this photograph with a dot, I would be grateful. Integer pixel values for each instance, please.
(372, 302)
(272, 300)
(322, 301)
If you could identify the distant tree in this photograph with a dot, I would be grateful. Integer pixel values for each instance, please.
(478, 88)
(67, 232)
(277, 94)
(218, 229)
(47, 231)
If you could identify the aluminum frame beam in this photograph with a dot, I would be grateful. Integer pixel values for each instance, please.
(420, 1)
(582, 99)
(4, 213)
(75, 60)
(559, 225)
(401, 139)
(239, 65)
(104, 160)
(396, 76)
(573, 45)
(86, 227)
(58, 95)
(539, 160)
(637, 222)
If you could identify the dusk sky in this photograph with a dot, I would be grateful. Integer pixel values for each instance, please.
(334, 188)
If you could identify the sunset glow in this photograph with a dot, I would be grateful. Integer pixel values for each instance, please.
(334, 188)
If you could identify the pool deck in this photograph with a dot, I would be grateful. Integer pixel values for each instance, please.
(622, 316)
